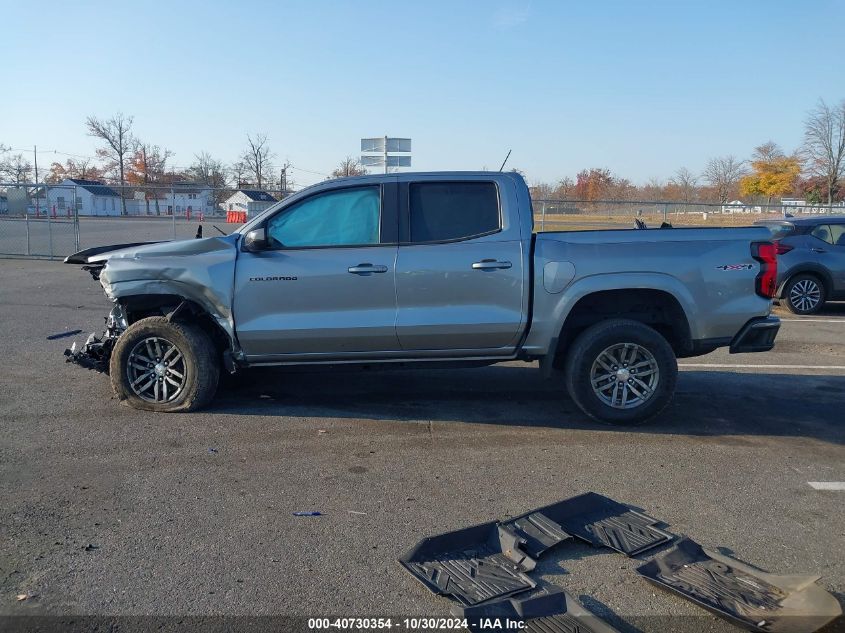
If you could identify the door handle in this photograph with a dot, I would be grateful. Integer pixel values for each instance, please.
(818, 250)
(490, 264)
(366, 269)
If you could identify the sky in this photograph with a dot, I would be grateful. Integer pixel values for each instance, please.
(639, 87)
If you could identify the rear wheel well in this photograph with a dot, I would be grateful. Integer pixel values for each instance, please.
(818, 276)
(137, 307)
(655, 308)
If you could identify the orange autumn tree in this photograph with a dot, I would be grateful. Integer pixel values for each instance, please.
(773, 173)
(593, 184)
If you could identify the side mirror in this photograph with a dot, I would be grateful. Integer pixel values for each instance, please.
(255, 240)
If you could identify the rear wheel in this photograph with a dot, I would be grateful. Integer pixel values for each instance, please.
(159, 365)
(804, 294)
(621, 371)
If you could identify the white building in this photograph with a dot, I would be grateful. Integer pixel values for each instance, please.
(90, 196)
(738, 206)
(181, 199)
(253, 201)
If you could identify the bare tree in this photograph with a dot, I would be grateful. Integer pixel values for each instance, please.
(148, 167)
(723, 174)
(116, 133)
(349, 166)
(824, 143)
(565, 188)
(239, 172)
(653, 189)
(208, 170)
(211, 172)
(541, 191)
(258, 159)
(687, 184)
(16, 169)
(767, 152)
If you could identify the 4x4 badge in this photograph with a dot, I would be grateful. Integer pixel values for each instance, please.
(735, 267)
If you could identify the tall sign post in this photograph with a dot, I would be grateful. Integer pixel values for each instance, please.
(385, 151)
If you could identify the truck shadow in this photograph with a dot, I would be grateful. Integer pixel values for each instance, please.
(831, 309)
(706, 403)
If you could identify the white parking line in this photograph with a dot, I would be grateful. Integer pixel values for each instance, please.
(827, 485)
(811, 320)
(737, 366)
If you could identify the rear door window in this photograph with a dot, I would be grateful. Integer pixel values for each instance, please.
(837, 234)
(449, 211)
(822, 232)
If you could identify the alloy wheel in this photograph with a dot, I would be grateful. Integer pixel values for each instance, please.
(624, 375)
(805, 295)
(156, 370)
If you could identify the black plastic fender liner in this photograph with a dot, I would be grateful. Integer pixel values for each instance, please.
(472, 565)
(741, 593)
(601, 521)
(550, 610)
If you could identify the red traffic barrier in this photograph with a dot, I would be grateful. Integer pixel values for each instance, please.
(235, 217)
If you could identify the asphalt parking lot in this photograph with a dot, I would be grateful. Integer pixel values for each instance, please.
(111, 511)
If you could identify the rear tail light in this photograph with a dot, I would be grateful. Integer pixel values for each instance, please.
(766, 282)
(783, 249)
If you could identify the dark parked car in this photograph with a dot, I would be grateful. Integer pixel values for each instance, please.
(811, 261)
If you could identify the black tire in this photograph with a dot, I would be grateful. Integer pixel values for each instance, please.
(197, 362)
(625, 337)
(804, 294)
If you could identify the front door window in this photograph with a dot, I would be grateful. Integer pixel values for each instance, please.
(349, 217)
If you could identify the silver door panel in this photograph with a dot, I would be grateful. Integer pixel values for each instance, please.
(459, 295)
(321, 300)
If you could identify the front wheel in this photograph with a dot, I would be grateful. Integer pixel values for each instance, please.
(160, 365)
(621, 371)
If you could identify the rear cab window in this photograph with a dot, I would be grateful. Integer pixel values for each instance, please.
(452, 211)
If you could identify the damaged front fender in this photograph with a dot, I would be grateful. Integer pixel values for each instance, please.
(199, 271)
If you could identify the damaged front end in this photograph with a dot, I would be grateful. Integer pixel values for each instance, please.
(96, 351)
(188, 279)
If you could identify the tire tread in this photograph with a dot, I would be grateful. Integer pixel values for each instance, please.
(207, 370)
(578, 384)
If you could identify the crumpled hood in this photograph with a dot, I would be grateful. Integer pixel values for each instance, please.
(159, 249)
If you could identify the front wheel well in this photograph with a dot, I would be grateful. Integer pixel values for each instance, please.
(137, 307)
(658, 309)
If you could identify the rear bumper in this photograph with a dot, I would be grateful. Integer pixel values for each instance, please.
(758, 335)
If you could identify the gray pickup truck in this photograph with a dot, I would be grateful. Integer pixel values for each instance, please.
(425, 268)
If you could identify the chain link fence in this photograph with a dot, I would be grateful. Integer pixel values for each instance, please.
(569, 215)
(55, 220)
